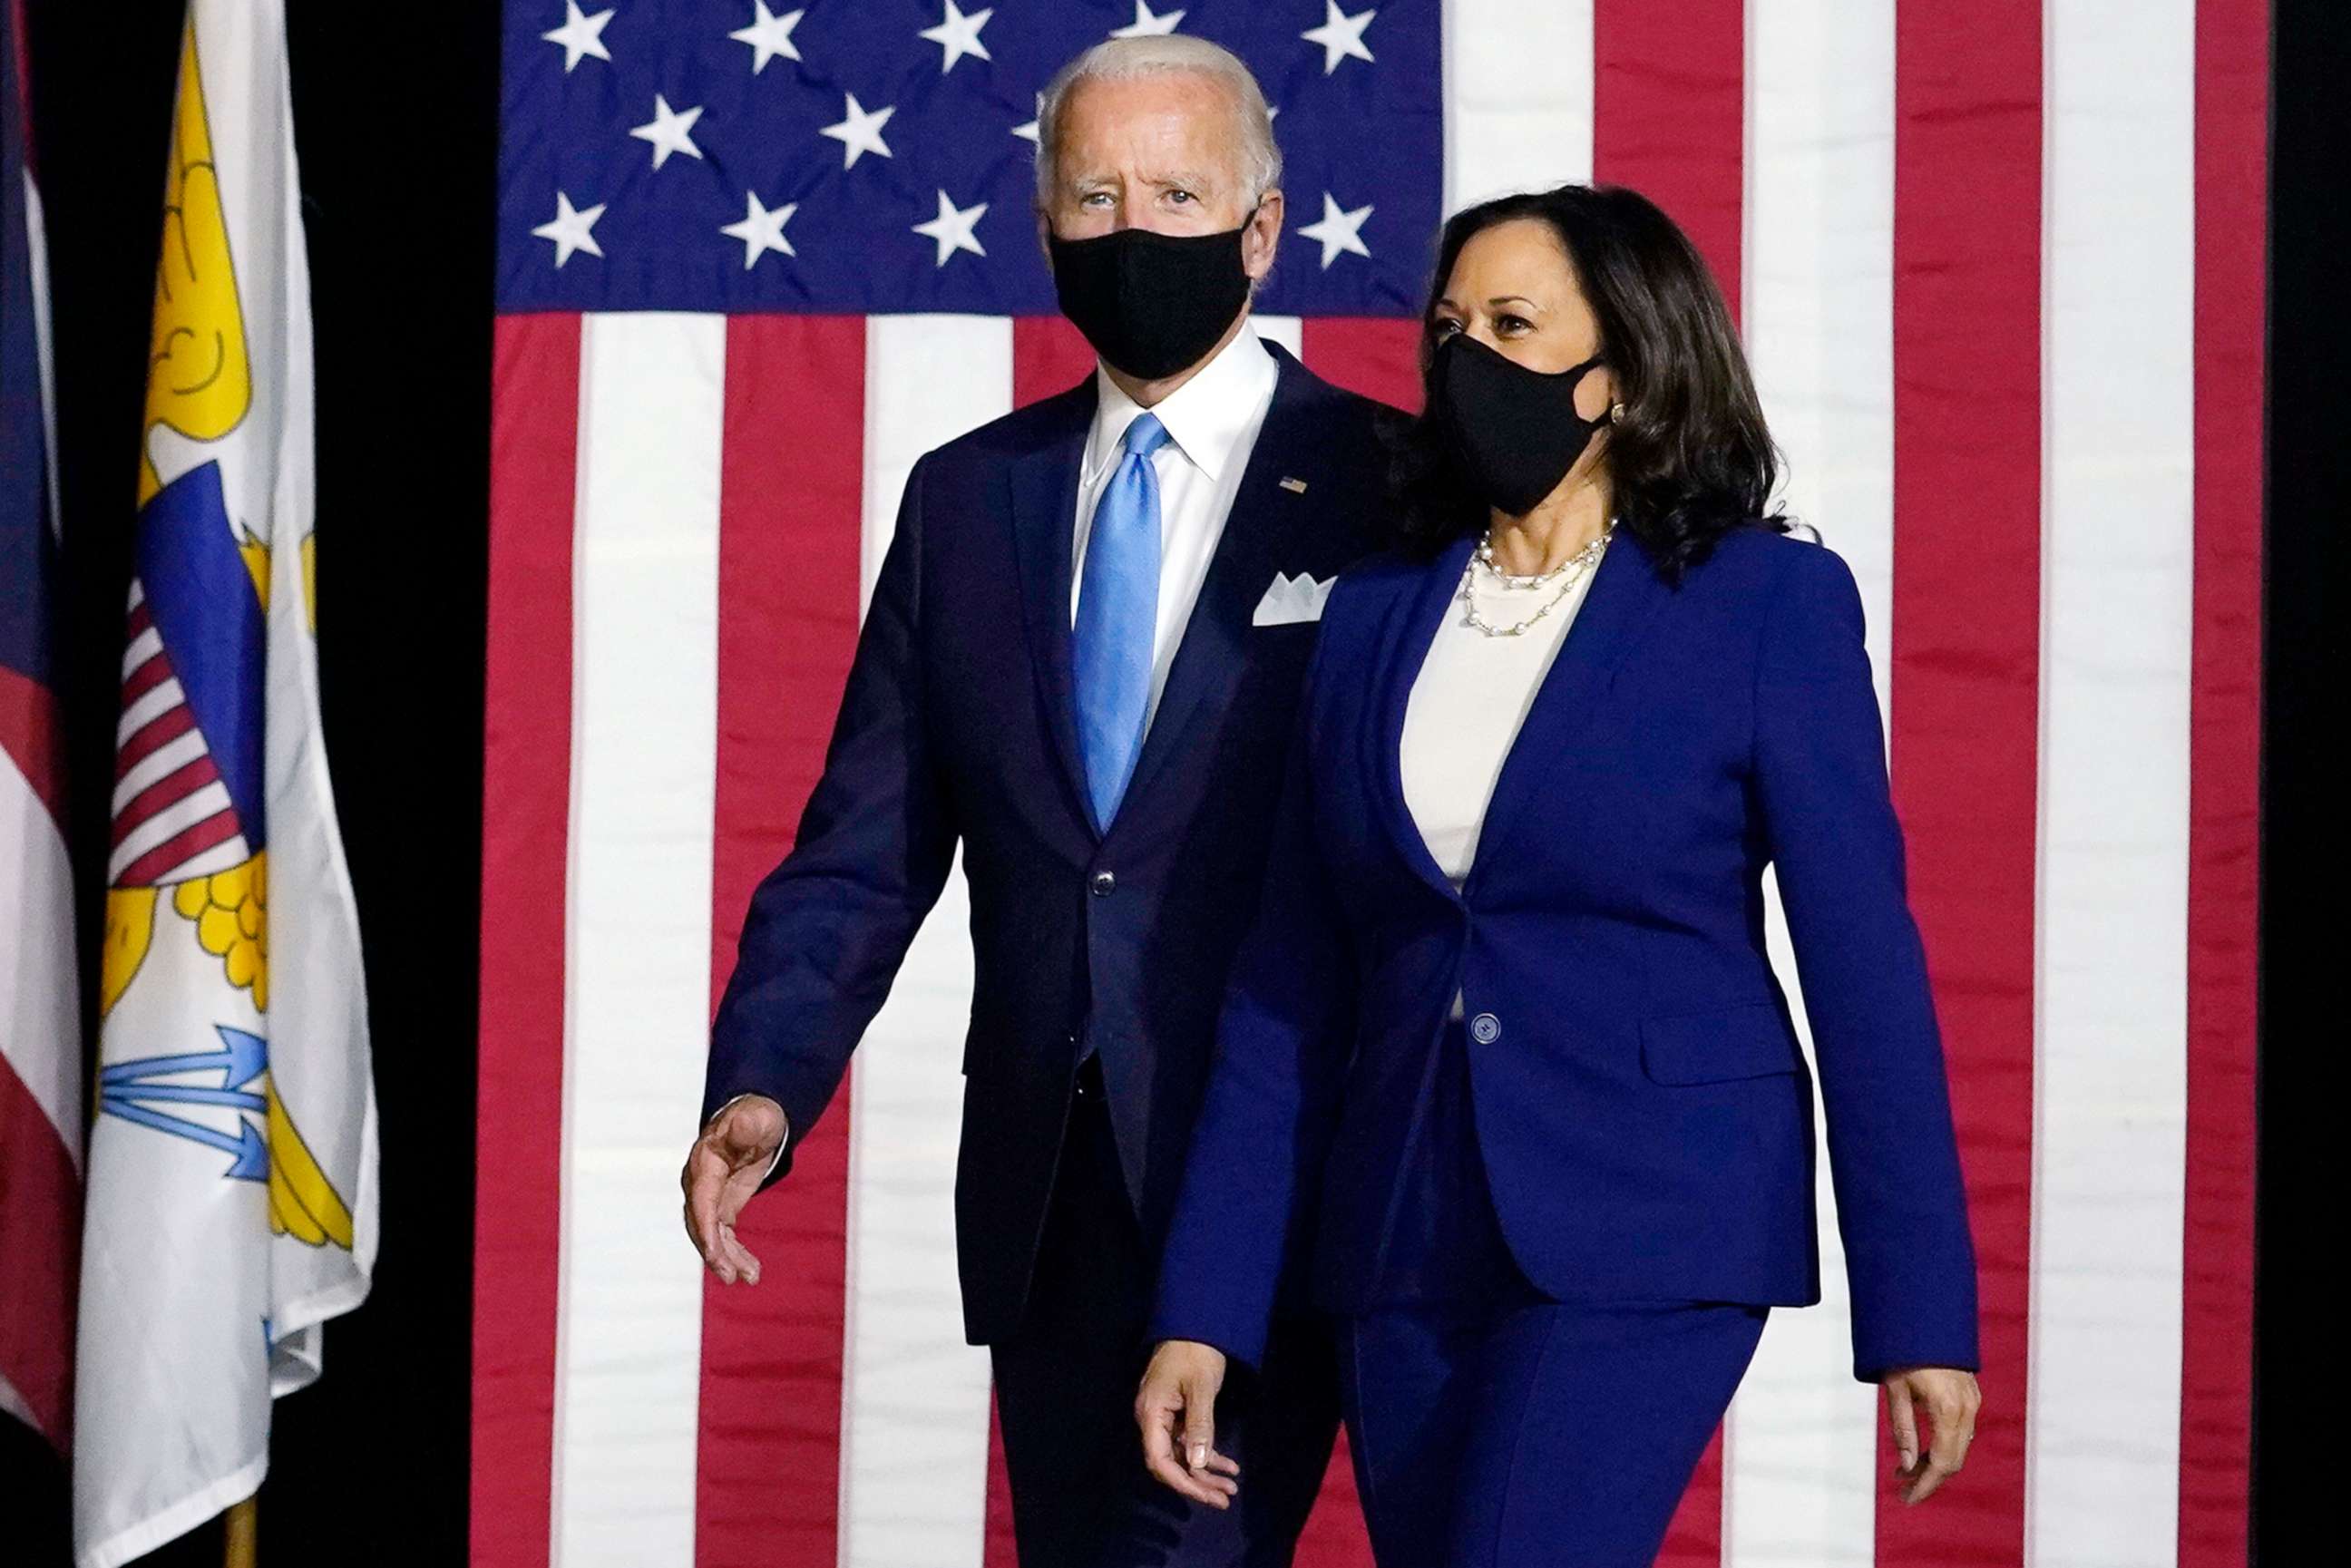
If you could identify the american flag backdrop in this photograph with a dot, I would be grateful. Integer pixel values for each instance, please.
(1998, 263)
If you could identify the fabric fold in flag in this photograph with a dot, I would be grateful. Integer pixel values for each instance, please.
(232, 1201)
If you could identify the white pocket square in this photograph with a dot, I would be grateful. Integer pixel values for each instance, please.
(1289, 600)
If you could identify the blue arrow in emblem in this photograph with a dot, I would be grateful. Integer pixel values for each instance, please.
(128, 1089)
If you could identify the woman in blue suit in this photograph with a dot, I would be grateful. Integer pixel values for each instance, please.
(1504, 1078)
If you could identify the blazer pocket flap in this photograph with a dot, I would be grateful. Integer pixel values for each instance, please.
(1749, 1041)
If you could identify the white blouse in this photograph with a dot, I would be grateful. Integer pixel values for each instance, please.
(1466, 705)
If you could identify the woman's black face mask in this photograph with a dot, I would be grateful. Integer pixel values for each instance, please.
(1515, 430)
(1151, 304)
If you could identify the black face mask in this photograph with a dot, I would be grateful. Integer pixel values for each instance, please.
(1151, 304)
(1515, 430)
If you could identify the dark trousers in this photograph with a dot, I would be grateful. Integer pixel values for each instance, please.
(1494, 1427)
(1065, 1388)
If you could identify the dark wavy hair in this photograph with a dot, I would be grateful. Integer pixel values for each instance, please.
(1690, 459)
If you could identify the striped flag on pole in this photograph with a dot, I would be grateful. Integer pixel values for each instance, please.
(1998, 263)
(232, 1195)
(41, 1001)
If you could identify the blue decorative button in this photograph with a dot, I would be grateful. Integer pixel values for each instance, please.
(1484, 1028)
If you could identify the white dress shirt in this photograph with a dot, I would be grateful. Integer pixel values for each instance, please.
(1212, 422)
(1466, 705)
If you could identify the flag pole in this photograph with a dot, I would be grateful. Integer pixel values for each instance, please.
(237, 1539)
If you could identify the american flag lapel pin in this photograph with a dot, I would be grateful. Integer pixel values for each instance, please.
(1295, 486)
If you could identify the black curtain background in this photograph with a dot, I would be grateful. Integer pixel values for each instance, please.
(395, 115)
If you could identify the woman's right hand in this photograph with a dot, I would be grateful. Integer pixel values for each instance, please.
(1176, 1409)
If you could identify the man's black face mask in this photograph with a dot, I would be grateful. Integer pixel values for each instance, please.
(1151, 304)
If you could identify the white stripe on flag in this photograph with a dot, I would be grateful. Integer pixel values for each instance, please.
(1798, 1456)
(40, 1025)
(914, 1396)
(168, 758)
(2110, 1113)
(157, 699)
(1518, 97)
(209, 800)
(1289, 331)
(141, 648)
(645, 571)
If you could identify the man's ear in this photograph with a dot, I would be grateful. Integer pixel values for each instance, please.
(1044, 232)
(1261, 235)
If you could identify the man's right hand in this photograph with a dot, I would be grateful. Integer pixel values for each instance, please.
(722, 1169)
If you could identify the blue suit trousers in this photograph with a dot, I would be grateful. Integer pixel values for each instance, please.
(1494, 1427)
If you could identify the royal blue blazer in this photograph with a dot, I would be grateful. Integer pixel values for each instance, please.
(1644, 1109)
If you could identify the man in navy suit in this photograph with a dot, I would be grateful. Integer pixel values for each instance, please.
(1082, 661)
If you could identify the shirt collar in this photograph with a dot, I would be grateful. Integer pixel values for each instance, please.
(1205, 417)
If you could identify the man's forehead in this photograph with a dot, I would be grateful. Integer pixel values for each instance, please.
(1173, 107)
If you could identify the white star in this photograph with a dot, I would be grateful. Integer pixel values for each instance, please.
(669, 131)
(579, 36)
(762, 231)
(958, 35)
(861, 132)
(769, 35)
(571, 230)
(951, 229)
(1145, 24)
(1028, 132)
(1337, 232)
(1340, 36)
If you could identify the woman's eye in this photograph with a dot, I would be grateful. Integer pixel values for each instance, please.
(1443, 327)
(1512, 324)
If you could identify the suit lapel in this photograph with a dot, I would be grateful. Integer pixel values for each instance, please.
(1255, 542)
(1044, 526)
(1624, 593)
(1411, 630)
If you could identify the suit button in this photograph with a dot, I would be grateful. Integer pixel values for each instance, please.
(1484, 1028)
(1104, 883)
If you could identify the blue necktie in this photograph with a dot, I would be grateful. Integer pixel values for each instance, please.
(1118, 607)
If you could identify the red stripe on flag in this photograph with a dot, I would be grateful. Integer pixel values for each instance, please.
(151, 672)
(161, 795)
(1966, 658)
(179, 849)
(526, 829)
(40, 1232)
(1048, 356)
(30, 737)
(1378, 356)
(767, 1476)
(998, 1549)
(1335, 1535)
(152, 735)
(142, 618)
(2224, 784)
(1669, 117)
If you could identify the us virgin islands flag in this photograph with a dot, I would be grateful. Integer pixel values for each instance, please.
(232, 1188)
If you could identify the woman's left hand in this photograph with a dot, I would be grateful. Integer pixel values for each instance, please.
(1951, 1399)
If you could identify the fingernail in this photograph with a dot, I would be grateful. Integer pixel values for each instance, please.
(1199, 1455)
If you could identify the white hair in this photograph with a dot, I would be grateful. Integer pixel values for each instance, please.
(1121, 59)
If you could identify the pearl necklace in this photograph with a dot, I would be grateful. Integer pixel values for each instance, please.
(1574, 569)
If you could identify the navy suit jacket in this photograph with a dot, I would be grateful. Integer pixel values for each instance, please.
(957, 724)
(1644, 1110)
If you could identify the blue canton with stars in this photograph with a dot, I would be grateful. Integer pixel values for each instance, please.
(862, 157)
